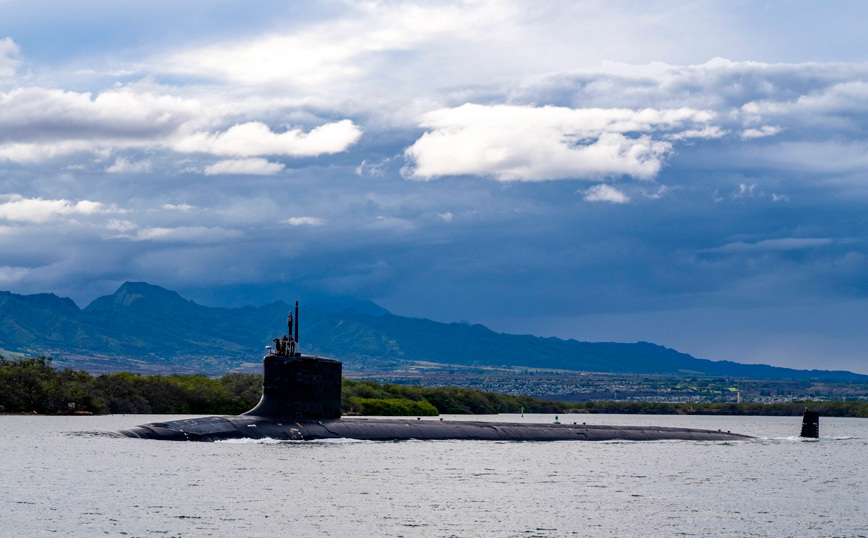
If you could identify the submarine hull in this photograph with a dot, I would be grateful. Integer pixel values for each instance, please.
(380, 429)
(301, 401)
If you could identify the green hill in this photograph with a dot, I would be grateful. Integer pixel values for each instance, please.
(156, 326)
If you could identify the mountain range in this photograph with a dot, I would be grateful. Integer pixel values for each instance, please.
(146, 327)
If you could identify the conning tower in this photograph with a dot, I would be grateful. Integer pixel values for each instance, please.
(810, 424)
(296, 386)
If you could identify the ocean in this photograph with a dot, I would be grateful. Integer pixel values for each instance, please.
(66, 476)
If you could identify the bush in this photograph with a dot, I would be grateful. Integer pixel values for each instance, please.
(29, 385)
(396, 407)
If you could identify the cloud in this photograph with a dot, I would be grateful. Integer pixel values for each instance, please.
(709, 131)
(765, 130)
(658, 193)
(447, 217)
(26, 153)
(125, 166)
(605, 193)
(373, 169)
(38, 211)
(804, 101)
(44, 123)
(745, 191)
(395, 224)
(120, 225)
(41, 123)
(256, 167)
(340, 50)
(186, 234)
(255, 138)
(179, 207)
(43, 115)
(789, 243)
(8, 64)
(813, 157)
(528, 143)
(305, 221)
(10, 275)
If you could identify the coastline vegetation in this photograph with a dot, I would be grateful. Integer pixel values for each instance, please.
(34, 385)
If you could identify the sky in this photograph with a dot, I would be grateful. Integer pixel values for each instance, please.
(693, 174)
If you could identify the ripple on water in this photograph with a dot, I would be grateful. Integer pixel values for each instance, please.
(74, 478)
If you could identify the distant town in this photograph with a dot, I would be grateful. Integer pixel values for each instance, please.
(581, 387)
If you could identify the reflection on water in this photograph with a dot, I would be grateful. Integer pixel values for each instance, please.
(68, 476)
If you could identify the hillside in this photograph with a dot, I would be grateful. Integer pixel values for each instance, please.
(157, 327)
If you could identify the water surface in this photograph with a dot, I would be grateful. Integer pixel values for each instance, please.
(62, 476)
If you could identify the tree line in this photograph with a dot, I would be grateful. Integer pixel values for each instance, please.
(31, 385)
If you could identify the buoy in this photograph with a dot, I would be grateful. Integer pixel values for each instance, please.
(556, 420)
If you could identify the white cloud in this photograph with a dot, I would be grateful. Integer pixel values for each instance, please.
(179, 207)
(660, 192)
(256, 167)
(842, 91)
(41, 123)
(814, 103)
(765, 130)
(123, 165)
(745, 191)
(305, 221)
(341, 50)
(255, 138)
(814, 156)
(392, 224)
(40, 114)
(447, 217)
(186, 234)
(373, 169)
(8, 64)
(118, 225)
(605, 193)
(35, 152)
(788, 243)
(36, 210)
(10, 275)
(709, 131)
(542, 143)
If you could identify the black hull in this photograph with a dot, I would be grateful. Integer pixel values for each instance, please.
(301, 401)
(378, 429)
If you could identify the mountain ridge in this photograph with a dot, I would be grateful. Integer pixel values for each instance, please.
(154, 325)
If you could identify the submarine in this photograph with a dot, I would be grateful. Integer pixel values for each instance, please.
(301, 401)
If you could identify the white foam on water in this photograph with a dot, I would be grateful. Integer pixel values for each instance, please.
(262, 441)
(337, 441)
(271, 441)
(798, 439)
